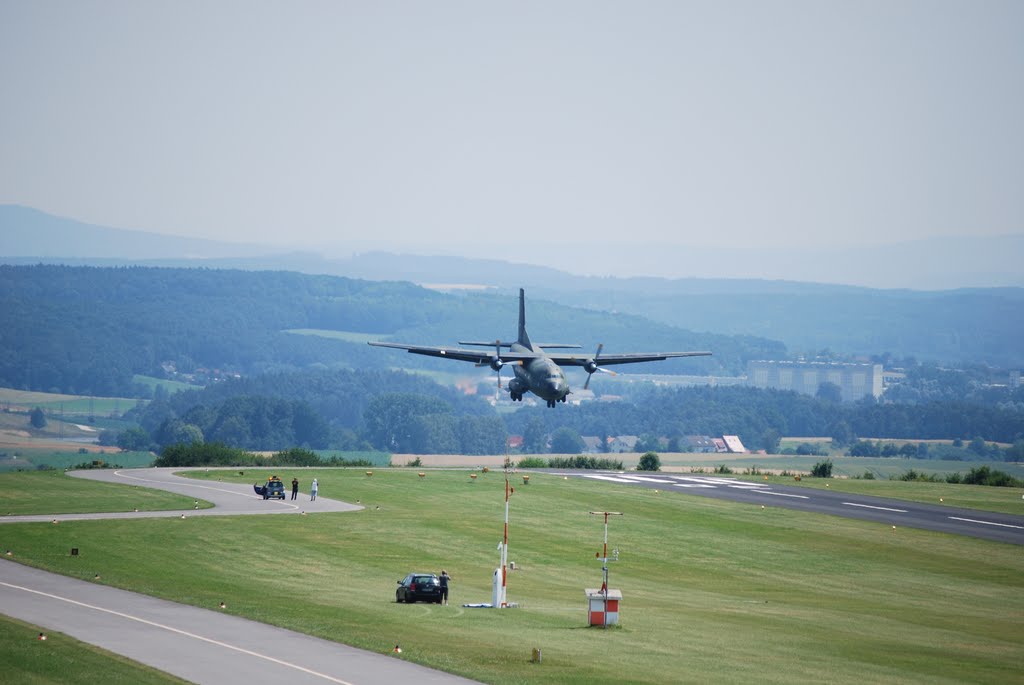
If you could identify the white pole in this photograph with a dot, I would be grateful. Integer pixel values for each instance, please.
(504, 549)
(604, 564)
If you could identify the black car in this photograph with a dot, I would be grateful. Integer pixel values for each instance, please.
(419, 587)
(272, 489)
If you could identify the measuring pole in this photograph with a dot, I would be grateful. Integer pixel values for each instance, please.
(604, 562)
(504, 548)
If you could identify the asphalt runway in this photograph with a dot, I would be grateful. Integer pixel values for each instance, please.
(891, 512)
(204, 646)
(228, 498)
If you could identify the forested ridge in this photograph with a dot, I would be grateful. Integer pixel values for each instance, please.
(87, 330)
(400, 412)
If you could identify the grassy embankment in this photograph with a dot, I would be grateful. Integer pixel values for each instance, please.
(53, 492)
(63, 659)
(713, 591)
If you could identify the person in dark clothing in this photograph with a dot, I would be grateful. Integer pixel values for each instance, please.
(295, 488)
(444, 578)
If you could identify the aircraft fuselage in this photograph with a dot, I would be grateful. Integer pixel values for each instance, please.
(540, 375)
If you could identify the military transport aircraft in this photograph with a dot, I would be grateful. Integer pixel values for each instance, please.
(535, 370)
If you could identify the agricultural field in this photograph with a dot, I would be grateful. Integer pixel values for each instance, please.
(713, 591)
(33, 458)
(168, 385)
(346, 336)
(56, 404)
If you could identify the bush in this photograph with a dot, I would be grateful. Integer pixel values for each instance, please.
(649, 462)
(532, 463)
(722, 468)
(205, 454)
(823, 469)
(584, 462)
(983, 475)
(296, 456)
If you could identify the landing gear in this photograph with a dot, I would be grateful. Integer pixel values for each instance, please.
(516, 396)
(551, 403)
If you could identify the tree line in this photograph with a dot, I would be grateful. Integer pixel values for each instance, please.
(401, 412)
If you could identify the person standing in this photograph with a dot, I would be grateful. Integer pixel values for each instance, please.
(312, 491)
(444, 578)
(295, 488)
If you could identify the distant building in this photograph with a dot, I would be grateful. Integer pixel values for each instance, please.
(854, 380)
(733, 444)
(700, 443)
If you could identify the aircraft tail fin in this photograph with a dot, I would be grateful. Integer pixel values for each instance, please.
(524, 338)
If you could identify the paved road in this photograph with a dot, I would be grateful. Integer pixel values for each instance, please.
(228, 498)
(971, 522)
(204, 646)
(200, 645)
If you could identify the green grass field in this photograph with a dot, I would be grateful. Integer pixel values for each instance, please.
(168, 385)
(61, 659)
(53, 492)
(848, 467)
(30, 458)
(346, 336)
(714, 592)
(55, 403)
(1005, 500)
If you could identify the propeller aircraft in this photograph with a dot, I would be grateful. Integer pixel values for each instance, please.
(535, 369)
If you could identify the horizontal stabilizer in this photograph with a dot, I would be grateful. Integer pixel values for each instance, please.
(491, 343)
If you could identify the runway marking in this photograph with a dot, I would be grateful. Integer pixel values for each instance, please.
(181, 632)
(782, 494)
(987, 523)
(695, 485)
(869, 506)
(614, 479)
(649, 479)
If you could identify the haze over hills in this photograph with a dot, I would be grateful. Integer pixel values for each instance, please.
(949, 326)
(28, 235)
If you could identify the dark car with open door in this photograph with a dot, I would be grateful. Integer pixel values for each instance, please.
(419, 587)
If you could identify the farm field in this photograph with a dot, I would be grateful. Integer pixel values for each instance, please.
(56, 455)
(712, 591)
(63, 659)
(68, 404)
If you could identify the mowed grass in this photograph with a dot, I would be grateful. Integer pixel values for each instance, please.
(982, 497)
(62, 659)
(31, 457)
(713, 591)
(53, 492)
(848, 467)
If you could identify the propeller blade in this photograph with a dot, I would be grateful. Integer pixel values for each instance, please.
(594, 366)
(497, 355)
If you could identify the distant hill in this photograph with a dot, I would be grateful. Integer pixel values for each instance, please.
(27, 232)
(89, 330)
(951, 326)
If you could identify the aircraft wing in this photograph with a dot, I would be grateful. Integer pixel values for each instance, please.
(457, 353)
(628, 358)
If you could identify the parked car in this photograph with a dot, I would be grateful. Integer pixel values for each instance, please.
(419, 587)
(272, 489)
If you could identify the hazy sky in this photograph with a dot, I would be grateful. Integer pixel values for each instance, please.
(476, 126)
